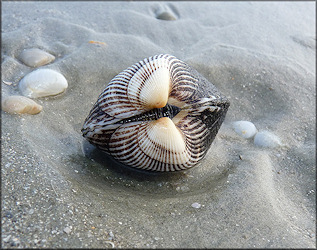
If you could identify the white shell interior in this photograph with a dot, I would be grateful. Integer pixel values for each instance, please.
(164, 142)
(152, 92)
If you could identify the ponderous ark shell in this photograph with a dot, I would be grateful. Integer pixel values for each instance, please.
(20, 105)
(158, 115)
(43, 82)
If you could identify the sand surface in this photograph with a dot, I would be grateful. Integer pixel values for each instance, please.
(57, 191)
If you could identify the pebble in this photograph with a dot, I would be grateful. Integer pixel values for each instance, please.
(182, 189)
(245, 129)
(43, 82)
(196, 205)
(267, 139)
(35, 57)
(20, 105)
(166, 16)
(111, 235)
(67, 230)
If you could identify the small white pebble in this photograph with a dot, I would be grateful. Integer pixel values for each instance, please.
(245, 129)
(111, 234)
(67, 230)
(267, 139)
(196, 205)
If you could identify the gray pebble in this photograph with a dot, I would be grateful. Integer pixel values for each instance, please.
(267, 139)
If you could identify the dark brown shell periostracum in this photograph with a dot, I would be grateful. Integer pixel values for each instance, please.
(158, 115)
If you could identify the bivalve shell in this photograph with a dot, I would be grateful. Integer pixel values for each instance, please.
(43, 82)
(35, 57)
(157, 115)
(20, 105)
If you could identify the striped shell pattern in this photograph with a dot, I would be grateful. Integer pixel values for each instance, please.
(158, 115)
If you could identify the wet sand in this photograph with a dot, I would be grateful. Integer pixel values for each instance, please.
(60, 192)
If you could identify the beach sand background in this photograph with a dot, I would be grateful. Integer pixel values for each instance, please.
(58, 191)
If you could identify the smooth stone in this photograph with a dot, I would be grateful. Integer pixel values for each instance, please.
(67, 229)
(166, 16)
(36, 57)
(196, 205)
(43, 82)
(267, 139)
(245, 129)
(20, 105)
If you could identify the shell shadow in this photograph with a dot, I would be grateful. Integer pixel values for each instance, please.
(95, 172)
(96, 155)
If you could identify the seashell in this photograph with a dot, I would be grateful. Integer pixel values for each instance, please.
(267, 139)
(20, 105)
(166, 16)
(36, 57)
(158, 115)
(245, 129)
(43, 82)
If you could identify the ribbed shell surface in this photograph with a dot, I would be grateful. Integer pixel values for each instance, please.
(157, 115)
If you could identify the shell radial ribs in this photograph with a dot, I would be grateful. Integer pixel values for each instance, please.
(158, 115)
